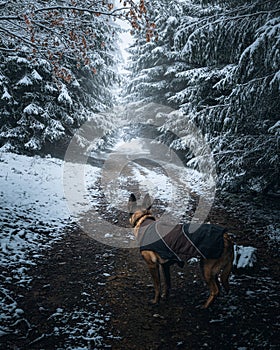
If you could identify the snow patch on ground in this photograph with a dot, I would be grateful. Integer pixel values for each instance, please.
(147, 167)
(244, 256)
(33, 216)
(33, 209)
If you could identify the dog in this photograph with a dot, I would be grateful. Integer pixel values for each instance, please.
(213, 269)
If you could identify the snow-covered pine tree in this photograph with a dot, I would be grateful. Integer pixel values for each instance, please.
(226, 80)
(153, 60)
(46, 95)
(236, 102)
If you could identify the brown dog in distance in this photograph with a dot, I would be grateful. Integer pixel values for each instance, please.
(160, 268)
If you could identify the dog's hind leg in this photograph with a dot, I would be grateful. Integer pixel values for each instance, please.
(225, 276)
(166, 279)
(228, 262)
(154, 270)
(209, 274)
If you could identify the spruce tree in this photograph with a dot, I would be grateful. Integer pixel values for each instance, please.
(221, 69)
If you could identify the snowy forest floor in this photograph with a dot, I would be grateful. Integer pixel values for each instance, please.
(86, 295)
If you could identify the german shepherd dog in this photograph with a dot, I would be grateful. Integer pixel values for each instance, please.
(213, 270)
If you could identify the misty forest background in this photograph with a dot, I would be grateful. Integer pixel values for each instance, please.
(217, 61)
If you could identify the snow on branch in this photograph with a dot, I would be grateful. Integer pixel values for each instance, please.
(254, 56)
(64, 96)
(58, 31)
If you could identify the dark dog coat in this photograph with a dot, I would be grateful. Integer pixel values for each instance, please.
(178, 244)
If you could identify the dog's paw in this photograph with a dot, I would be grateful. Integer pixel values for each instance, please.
(201, 307)
(153, 302)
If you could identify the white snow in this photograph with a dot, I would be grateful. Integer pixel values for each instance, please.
(64, 96)
(244, 256)
(22, 60)
(50, 88)
(33, 144)
(25, 81)
(6, 95)
(275, 128)
(32, 201)
(32, 108)
(75, 83)
(33, 216)
(33, 213)
(36, 76)
(158, 171)
(172, 20)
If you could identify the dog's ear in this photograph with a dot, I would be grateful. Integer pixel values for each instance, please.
(147, 202)
(132, 203)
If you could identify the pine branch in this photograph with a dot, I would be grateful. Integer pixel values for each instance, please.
(225, 17)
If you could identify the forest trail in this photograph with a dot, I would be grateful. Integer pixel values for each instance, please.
(87, 295)
(88, 288)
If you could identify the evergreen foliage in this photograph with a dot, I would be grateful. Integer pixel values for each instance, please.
(218, 62)
(43, 100)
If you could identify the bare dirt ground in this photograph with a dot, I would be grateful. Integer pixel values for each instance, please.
(80, 273)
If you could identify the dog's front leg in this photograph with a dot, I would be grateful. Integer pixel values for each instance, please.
(153, 265)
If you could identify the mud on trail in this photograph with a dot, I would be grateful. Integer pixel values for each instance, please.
(86, 295)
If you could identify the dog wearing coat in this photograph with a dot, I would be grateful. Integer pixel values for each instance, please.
(177, 245)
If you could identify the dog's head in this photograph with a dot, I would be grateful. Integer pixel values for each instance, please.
(136, 211)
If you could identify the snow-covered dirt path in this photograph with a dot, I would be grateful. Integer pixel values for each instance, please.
(35, 223)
